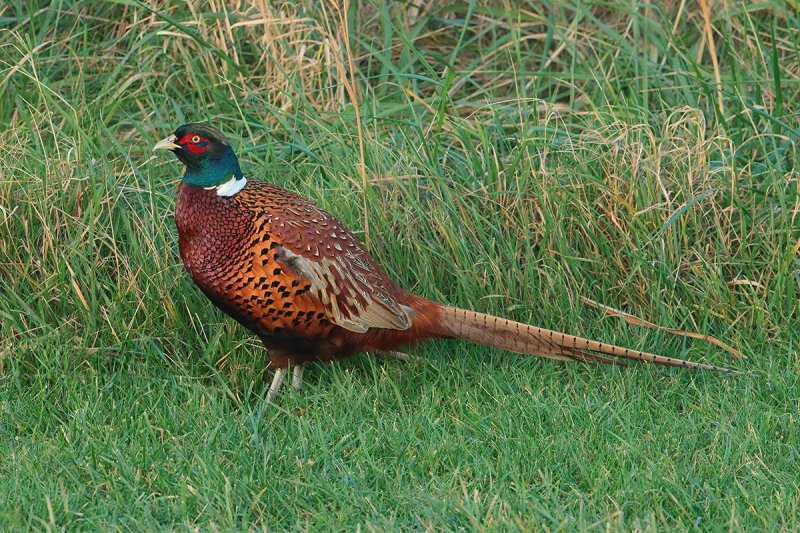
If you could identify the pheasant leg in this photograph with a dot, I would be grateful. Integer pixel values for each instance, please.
(277, 381)
(400, 356)
(297, 377)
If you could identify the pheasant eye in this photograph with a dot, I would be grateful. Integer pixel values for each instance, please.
(195, 139)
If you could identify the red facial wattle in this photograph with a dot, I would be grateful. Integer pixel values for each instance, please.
(197, 144)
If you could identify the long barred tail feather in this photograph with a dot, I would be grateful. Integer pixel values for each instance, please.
(531, 340)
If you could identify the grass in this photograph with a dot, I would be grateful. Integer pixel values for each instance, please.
(516, 156)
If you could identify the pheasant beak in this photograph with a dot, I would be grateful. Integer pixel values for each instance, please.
(167, 143)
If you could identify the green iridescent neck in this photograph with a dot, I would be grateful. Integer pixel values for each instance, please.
(213, 172)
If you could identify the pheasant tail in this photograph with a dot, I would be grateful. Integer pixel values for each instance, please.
(531, 340)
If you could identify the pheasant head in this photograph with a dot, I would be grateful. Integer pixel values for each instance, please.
(210, 161)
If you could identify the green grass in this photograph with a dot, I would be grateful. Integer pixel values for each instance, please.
(517, 157)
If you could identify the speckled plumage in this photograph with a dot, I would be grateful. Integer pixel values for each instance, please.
(302, 282)
(242, 251)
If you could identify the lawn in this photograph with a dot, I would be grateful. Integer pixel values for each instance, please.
(510, 157)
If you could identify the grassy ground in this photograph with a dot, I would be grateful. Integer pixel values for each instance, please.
(516, 158)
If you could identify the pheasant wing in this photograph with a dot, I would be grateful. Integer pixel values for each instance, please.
(354, 292)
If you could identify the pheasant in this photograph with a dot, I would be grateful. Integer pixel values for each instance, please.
(306, 286)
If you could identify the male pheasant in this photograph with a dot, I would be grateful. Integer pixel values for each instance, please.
(305, 285)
